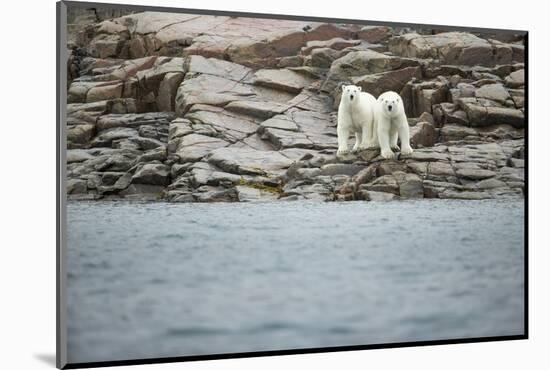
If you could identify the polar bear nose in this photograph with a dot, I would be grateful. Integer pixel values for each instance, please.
(351, 97)
(390, 108)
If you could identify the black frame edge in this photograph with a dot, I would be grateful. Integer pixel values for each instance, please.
(162, 360)
(58, 363)
(526, 189)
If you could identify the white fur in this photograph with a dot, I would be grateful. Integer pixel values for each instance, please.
(356, 116)
(392, 124)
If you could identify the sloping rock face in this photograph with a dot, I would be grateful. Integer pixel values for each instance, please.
(194, 108)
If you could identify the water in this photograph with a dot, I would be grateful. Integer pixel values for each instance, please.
(155, 279)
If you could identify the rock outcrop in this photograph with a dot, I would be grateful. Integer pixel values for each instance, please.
(195, 108)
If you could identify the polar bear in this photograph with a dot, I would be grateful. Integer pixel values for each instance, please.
(392, 124)
(356, 114)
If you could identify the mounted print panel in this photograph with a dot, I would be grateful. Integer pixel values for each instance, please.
(237, 184)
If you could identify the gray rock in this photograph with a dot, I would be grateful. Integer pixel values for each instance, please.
(76, 186)
(421, 96)
(515, 162)
(290, 61)
(474, 173)
(281, 79)
(469, 195)
(250, 194)
(106, 138)
(515, 79)
(146, 143)
(104, 91)
(283, 139)
(156, 154)
(374, 34)
(512, 175)
(491, 183)
(217, 67)
(395, 80)
(420, 168)
(323, 57)
(466, 90)
(433, 189)
(142, 192)
(181, 197)
(110, 121)
(233, 126)
(304, 190)
(80, 134)
(480, 116)
(497, 115)
(410, 185)
(340, 169)
(391, 166)
(123, 181)
(281, 122)
(495, 92)
(310, 101)
(193, 147)
(150, 79)
(426, 155)
(440, 169)
(209, 194)
(260, 109)
(204, 174)
(249, 161)
(308, 173)
(209, 89)
(377, 196)
(458, 48)
(337, 43)
(360, 63)
(451, 133)
(110, 178)
(385, 184)
(449, 113)
(167, 91)
(78, 155)
(152, 174)
(422, 135)
(315, 131)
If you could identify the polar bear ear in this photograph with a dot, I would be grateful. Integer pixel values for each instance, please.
(359, 88)
(344, 87)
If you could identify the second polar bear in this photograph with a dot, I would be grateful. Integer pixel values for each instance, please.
(392, 124)
(356, 115)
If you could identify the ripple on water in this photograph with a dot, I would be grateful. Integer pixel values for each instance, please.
(219, 278)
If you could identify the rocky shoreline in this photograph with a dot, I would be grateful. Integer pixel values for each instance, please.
(194, 108)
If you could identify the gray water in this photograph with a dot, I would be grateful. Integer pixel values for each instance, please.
(155, 279)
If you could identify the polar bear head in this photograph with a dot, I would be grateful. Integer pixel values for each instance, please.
(350, 93)
(391, 103)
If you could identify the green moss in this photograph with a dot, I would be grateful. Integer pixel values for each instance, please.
(271, 189)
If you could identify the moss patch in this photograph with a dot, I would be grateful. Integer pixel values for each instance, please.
(271, 189)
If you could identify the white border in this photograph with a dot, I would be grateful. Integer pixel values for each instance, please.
(28, 184)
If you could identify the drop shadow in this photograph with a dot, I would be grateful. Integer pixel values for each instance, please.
(47, 358)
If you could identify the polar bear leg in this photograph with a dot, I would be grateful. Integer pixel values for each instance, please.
(343, 136)
(403, 129)
(372, 143)
(384, 138)
(364, 137)
(393, 137)
(358, 141)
